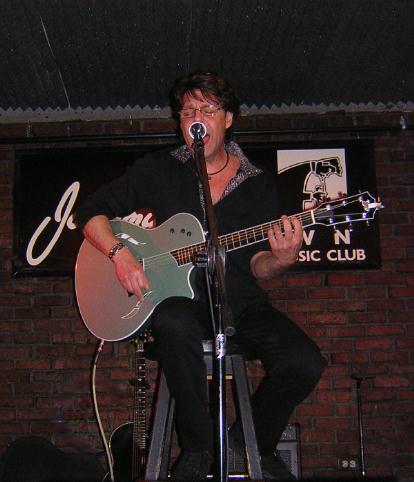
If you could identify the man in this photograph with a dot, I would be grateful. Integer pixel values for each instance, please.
(243, 195)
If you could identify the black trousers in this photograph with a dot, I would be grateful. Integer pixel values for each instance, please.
(292, 362)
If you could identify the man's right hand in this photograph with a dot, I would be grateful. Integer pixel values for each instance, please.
(128, 270)
(130, 273)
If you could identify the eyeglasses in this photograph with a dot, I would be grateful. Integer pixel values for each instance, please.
(207, 110)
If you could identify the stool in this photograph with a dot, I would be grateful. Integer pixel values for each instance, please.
(160, 445)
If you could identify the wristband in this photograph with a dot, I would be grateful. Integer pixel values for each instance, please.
(115, 248)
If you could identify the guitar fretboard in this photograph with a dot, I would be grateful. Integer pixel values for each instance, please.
(238, 239)
(139, 429)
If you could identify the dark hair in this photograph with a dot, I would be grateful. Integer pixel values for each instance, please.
(210, 84)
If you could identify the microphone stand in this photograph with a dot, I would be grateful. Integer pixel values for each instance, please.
(221, 316)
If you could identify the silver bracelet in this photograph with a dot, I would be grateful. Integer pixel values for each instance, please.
(115, 248)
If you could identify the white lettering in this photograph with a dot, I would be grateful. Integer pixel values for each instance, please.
(139, 219)
(308, 237)
(338, 236)
(62, 216)
(308, 256)
(361, 256)
(346, 255)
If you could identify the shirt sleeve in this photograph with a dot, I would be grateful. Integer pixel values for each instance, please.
(120, 196)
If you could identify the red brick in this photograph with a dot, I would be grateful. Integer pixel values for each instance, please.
(306, 281)
(401, 292)
(339, 396)
(379, 305)
(347, 331)
(405, 343)
(327, 318)
(350, 305)
(318, 436)
(15, 352)
(358, 357)
(305, 306)
(33, 364)
(336, 345)
(10, 300)
(405, 267)
(18, 402)
(393, 254)
(392, 381)
(344, 279)
(64, 312)
(35, 414)
(31, 313)
(14, 376)
(368, 292)
(63, 286)
(373, 344)
(376, 317)
(32, 288)
(399, 357)
(50, 324)
(51, 300)
(316, 411)
(31, 338)
(332, 423)
(327, 293)
(30, 388)
(287, 294)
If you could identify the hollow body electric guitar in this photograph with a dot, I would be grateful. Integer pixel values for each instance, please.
(167, 255)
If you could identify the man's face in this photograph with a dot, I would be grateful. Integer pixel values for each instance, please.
(216, 125)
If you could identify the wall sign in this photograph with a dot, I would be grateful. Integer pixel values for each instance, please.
(309, 173)
(50, 183)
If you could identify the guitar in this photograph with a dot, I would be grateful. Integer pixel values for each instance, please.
(167, 254)
(128, 441)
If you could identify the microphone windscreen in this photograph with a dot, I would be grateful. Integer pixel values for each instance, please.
(197, 130)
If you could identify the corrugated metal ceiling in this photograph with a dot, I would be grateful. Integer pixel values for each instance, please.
(73, 56)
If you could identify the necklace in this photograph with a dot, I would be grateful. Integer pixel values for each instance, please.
(209, 174)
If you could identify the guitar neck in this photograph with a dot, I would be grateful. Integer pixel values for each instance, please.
(256, 234)
(238, 239)
(139, 431)
(359, 207)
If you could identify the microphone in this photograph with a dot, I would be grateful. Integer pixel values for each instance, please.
(197, 130)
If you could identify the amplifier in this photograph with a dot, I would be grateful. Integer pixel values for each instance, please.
(288, 448)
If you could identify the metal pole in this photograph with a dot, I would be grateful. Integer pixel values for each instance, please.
(359, 379)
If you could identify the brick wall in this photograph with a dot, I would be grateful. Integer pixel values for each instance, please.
(362, 319)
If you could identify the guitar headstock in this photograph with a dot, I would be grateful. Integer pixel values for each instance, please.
(140, 340)
(359, 207)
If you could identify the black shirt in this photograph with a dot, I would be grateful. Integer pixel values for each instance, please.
(166, 183)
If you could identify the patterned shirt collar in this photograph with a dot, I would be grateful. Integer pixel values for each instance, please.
(247, 169)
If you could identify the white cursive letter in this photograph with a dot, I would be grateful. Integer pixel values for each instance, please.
(66, 219)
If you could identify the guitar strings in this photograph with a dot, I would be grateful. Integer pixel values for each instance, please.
(186, 253)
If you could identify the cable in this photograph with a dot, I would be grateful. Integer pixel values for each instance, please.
(98, 417)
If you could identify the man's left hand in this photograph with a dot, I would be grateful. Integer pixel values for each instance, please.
(285, 242)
